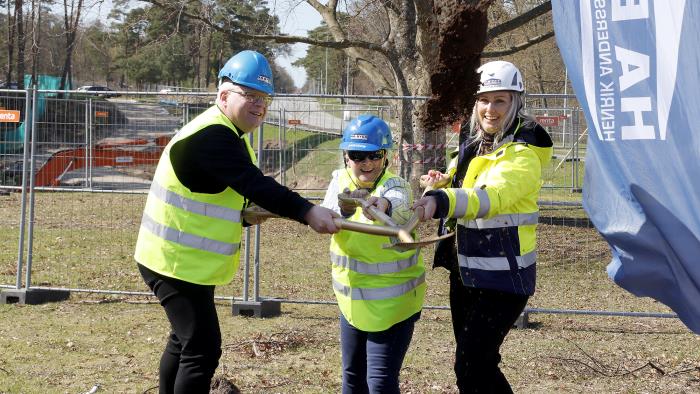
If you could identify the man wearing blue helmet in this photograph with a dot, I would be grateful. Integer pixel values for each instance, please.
(190, 232)
(379, 291)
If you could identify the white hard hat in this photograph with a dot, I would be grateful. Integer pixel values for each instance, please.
(500, 75)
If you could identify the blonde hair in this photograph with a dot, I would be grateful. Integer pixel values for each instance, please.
(516, 110)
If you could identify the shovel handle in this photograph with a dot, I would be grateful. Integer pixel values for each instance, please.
(403, 234)
(366, 228)
(377, 214)
(374, 212)
(347, 225)
(414, 220)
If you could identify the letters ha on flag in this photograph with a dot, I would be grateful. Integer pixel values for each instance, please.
(633, 66)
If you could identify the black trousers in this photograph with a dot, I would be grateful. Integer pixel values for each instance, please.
(481, 319)
(194, 346)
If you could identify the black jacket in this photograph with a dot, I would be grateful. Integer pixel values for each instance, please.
(217, 157)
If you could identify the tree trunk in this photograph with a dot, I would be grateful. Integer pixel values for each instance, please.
(71, 22)
(21, 42)
(197, 53)
(36, 36)
(10, 43)
(207, 59)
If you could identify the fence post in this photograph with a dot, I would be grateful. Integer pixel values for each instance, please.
(283, 144)
(25, 174)
(258, 307)
(27, 295)
(88, 128)
(575, 165)
(246, 265)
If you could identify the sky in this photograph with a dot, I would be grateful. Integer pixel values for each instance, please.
(295, 20)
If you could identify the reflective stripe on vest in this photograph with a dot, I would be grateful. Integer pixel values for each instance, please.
(189, 205)
(368, 294)
(190, 240)
(462, 202)
(495, 263)
(190, 236)
(505, 220)
(361, 267)
(484, 202)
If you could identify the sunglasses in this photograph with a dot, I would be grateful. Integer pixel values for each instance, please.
(254, 98)
(359, 156)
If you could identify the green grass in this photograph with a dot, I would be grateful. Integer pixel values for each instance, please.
(271, 133)
(86, 241)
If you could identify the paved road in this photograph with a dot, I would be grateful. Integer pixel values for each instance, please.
(145, 119)
(332, 118)
(142, 120)
(149, 120)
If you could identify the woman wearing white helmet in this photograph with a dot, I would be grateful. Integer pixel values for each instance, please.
(379, 291)
(489, 195)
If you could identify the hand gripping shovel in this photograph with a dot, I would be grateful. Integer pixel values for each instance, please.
(411, 224)
(257, 212)
(404, 232)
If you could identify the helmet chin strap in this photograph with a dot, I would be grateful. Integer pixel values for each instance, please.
(376, 181)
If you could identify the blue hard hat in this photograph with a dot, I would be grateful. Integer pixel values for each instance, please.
(250, 69)
(366, 133)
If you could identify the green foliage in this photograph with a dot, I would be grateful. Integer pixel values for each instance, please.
(143, 43)
(325, 67)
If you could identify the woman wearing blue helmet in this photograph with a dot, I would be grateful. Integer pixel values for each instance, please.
(379, 291)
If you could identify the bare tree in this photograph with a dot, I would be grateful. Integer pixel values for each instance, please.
(428, 48)
(21, 41)
(11, 28)
(71, 20)
(35, 20)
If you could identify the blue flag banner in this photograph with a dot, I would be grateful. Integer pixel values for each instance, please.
(635, 67)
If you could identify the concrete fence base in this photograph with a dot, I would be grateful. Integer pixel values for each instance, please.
(262, 308)
(32, 296)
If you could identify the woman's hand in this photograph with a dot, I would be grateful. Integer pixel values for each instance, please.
(381, 204)
(429, 205)
(434, 179)
(348, 207)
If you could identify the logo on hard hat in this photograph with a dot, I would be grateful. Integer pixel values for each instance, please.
(362, 137)
(492, 82)
(264, 79)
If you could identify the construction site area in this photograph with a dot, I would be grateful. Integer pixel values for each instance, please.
(74, 175)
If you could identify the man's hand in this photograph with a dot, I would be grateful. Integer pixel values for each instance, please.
(253, 220)
(254, 215)
(429, 205)
(321, 220)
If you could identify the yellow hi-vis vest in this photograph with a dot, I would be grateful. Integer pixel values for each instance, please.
(194, 237)
(375, 287)
(497, 214)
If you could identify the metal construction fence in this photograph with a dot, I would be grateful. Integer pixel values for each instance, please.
(75, 169)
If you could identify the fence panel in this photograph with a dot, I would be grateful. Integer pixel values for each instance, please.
(10, 208)
(94, 159)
